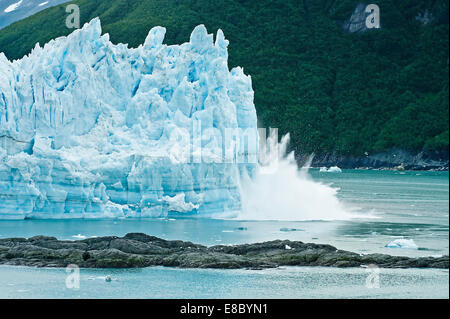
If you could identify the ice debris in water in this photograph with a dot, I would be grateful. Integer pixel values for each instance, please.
(333, 169)
(93, 129)
(402, 243)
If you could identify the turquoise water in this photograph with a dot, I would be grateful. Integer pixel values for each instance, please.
(158, 282)
(390, 205)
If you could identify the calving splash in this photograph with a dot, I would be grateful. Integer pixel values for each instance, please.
(90, 129)
(280, 191)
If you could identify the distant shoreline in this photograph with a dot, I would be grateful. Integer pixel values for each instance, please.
(394, 169)
(395, 159)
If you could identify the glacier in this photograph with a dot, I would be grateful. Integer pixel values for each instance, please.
(92, 129)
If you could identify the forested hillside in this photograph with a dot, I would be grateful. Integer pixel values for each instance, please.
(334, 91)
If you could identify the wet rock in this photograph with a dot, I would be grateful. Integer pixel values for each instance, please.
(141, 250)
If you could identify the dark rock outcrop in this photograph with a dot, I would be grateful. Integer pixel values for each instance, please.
(140, 250)
(424, 160)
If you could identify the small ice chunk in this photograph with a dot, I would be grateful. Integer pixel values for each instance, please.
(402, 243)
(333, 169)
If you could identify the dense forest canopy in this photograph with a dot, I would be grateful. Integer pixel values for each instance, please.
(334, 91)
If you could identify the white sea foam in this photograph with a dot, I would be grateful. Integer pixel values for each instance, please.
(333, 169)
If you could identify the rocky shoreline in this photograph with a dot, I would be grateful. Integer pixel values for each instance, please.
(392, 159)
(137, 250)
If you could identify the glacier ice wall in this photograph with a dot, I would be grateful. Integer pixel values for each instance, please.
(93, 129)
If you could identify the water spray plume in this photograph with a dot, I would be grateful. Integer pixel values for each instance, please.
(280, 191)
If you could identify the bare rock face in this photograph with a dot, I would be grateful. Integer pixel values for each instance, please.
(138, 250)
(425, 17)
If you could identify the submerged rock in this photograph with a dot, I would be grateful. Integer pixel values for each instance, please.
(138, 250)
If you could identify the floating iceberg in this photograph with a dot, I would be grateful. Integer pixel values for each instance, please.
(333, 169)
(91, 129)
(402, 243)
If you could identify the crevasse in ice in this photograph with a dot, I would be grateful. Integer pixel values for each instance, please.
(93, 129)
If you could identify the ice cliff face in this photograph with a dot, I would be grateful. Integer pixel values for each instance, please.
(93, 129)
